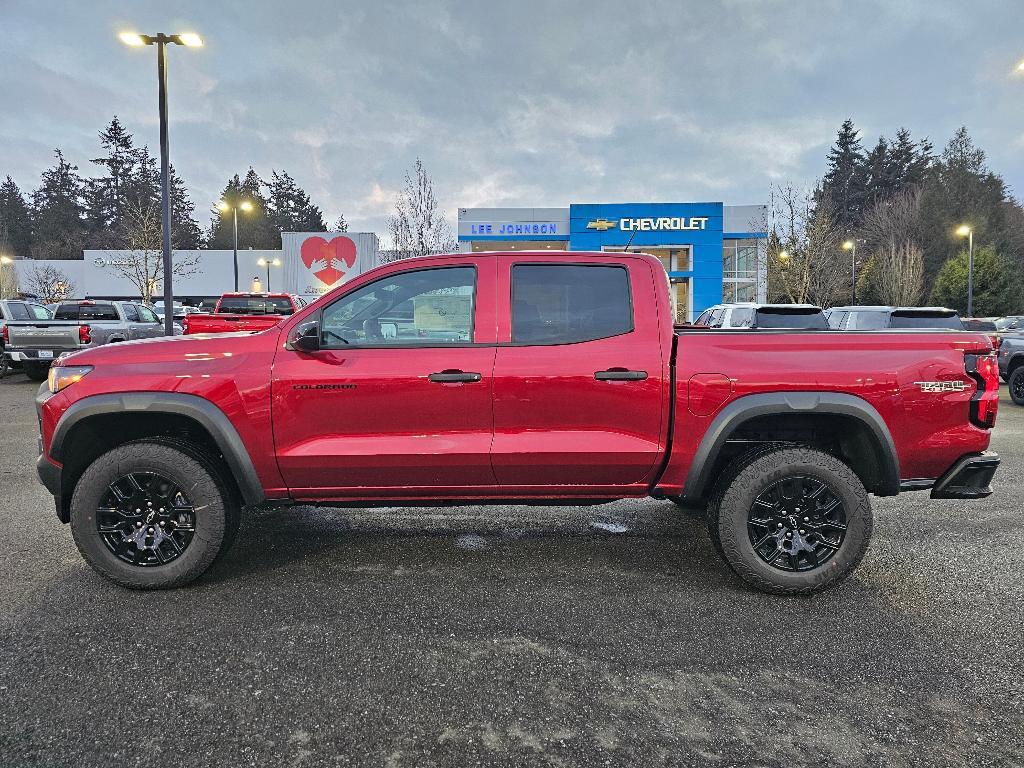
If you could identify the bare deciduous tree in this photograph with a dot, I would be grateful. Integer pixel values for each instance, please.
(805, 262)
(143, 264)
(418, 228)
(891, 228)
(49, 284)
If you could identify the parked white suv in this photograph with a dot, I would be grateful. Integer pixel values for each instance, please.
(752, 315)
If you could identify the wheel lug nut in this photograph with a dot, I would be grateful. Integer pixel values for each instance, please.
(151, 530)
(802, 531)
(138, 525)
(807, 519)
(162, 523)
(137, 510)
(789, 535)
(780, 525)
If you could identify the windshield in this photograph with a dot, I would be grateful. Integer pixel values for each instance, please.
(811, 319)
(925, 320)
(256, 305)
(1009, 323)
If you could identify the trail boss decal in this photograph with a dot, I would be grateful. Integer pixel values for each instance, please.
(942, 386)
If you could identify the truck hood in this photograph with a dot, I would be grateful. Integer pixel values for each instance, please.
(169, 349)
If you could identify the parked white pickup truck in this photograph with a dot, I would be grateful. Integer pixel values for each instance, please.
(76, 325)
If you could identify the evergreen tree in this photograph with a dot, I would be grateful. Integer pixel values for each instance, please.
(185, 232)
(881, 174)
(340, 225)
(255, 230)
(961, 189)
(996, 287)
(58, 229)
(289, 207)
(845, 184)
(104, 195)
(15, 221)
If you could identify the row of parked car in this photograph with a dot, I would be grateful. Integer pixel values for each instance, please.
(32, 335)
(1007, 333)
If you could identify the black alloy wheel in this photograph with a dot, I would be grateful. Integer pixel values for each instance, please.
(145, 519)
(1016, 385)
(796, 524)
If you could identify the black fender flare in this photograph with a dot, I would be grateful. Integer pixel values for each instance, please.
(751, 406)
(205, 413)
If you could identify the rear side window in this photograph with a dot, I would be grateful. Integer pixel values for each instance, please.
(147, 315)
(85, 312)
(835, 319)
(912, 320)
(567, 303)
(39, 312)
(785, 318)
(256, 305)
(742, 317)
(868, 321)
(19, 311)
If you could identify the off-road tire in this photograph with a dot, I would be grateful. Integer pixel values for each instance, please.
(747, 477)
(217, 510)
(1016, 385)
(36, 371)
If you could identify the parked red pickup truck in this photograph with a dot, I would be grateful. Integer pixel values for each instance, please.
(513, 378)
(244, 312)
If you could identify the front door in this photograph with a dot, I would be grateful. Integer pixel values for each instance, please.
(579, 380)
(398, 399)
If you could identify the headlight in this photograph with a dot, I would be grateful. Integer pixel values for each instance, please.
(62, 376)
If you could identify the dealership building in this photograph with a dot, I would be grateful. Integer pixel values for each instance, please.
(711, 251)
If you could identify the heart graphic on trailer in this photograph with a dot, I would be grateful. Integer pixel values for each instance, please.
(327, 259)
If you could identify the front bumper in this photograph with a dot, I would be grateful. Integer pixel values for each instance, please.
(48, 471)
(968, 478)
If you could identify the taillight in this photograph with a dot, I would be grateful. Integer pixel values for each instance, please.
(184, 324)
(984, 369)
(84, 334)
(6, 335)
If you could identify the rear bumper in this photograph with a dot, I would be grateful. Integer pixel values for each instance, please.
(968, 478)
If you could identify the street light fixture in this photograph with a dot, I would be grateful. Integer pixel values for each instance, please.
(784, 257)
(965, 230)
(268, 263)
(161, 41)
(851, 245)
(225, 206)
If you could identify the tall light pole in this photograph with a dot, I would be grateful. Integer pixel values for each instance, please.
(225, 206)
(851, 245)
(161, 41)
(268, 263)
(965, 230)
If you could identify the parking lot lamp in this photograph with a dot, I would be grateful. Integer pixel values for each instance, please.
(225, 206)
(851, 245)
(190, 40)
(268, 263)
(965, 230)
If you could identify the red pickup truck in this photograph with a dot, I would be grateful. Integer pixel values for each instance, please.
(518, 377)
(244, 312)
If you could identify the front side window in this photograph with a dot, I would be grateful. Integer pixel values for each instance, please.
(566, 303)
(427, 308)
(147, 315)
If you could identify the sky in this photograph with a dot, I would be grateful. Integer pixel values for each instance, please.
(511, 104)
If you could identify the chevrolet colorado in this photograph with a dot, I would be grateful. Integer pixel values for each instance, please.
(513, 378)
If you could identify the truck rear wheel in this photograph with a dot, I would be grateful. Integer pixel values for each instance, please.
(1016, 385)
(152, 515)
(791, 520)
(36, 371)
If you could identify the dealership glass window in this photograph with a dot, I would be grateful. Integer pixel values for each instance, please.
(425, 308)
(565, 304)
(738, 291)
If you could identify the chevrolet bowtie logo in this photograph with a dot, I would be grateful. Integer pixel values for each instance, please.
(601, 225)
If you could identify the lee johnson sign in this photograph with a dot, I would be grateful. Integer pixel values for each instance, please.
(513, 228)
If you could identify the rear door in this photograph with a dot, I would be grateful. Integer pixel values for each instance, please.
(578, 390)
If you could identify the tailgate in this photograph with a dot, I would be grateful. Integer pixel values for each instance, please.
(230, 323)
(60, 334)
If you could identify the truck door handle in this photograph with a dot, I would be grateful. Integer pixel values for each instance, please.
(452, 376)
(620, 374)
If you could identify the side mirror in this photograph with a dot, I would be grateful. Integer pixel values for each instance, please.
(304, 337)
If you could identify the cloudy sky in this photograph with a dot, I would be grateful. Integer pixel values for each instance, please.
(519, 103)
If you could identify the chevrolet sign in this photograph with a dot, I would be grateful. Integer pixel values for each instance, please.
(652, 224)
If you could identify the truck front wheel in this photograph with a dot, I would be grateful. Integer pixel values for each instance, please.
(1016, 385)
(152, 514)
(791, 520)
(36, 371)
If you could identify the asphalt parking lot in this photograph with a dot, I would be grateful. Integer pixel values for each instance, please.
(513, 636)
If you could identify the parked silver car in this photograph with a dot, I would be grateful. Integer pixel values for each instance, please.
(77, 325)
